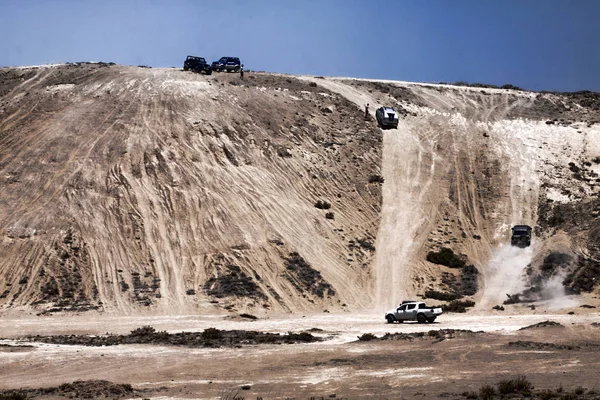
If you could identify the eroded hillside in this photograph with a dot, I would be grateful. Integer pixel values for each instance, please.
(464, 166)
(131, 189)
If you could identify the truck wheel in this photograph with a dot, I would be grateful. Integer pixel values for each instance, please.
(421, 318)
(390, 319)
(430, 320)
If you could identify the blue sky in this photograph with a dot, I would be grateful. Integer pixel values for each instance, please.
(535, 44)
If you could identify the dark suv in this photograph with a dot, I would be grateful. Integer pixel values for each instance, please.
(197, 64)
(521, 236)
(227, 64)
(219, 66)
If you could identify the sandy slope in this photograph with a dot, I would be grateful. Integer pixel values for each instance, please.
(127, 189)
(131, 186)
(463, 165)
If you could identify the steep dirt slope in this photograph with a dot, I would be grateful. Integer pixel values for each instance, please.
(464, 165)
(131, 189)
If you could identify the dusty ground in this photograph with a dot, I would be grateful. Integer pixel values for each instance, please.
(340, 365)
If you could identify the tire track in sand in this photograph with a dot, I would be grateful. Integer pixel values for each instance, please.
(406, 192)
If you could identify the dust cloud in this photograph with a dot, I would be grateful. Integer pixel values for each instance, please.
(505, 273)
(554, 294)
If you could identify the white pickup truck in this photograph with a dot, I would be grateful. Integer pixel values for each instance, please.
(411, 311)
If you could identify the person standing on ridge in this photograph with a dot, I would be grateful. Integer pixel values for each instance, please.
(367, 111)
(242, 72)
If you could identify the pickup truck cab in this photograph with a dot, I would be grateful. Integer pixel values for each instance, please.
(413, 311)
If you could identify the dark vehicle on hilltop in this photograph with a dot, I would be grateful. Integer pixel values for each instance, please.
(521, 236)
(197, 64)
(227, 64)
(219, 66)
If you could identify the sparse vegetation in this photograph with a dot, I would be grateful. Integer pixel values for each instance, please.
(487, 392)
(469, 280)
(458, 306)
(520, 385)
(376, 178)
(432, 334)
(527, 344)
(284, 152)
(482, 85)
(367, 337)
(322, 205)
(305, 278)
(511, 87)
(143, 331)
(329, 215)
(92, 389)
(13, 395)
(542, 324)
(446, 256)
(211, 334)
(443, 296)
(366, 244)
(210, 337)
(232, 281)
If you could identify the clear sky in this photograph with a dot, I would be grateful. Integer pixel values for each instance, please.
(534, 44)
